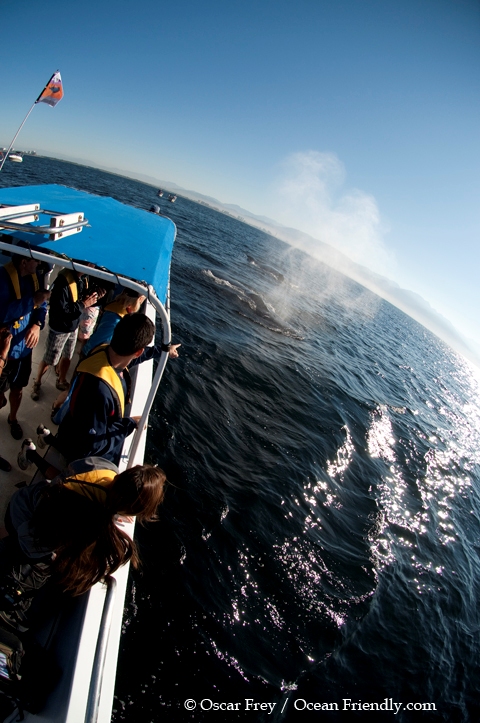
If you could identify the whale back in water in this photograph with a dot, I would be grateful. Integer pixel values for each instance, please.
(267, 269)
(253, 306)
(260, 306)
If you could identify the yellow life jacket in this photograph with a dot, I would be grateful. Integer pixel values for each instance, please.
(93, 484)
(15, 279)
(72, 283)
(98, 365)
(117, 308)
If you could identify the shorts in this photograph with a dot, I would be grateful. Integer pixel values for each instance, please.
(59, 344)
(88, 321)
(16, 373)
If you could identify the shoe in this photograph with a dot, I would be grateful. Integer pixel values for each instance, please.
(15, 429)
(4, 465)
(62, 386)
(35, 395)
(42, 432)
(14, 619)
(22, 459)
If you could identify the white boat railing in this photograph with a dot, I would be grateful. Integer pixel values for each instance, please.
(19, 218)
(93, 701)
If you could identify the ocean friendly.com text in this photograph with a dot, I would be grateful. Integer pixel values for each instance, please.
(346, 704)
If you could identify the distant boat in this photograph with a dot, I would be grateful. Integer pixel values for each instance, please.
(160, 192)
(15, 157)
(172, 198)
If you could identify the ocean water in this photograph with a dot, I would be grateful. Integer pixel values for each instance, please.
(317, 554)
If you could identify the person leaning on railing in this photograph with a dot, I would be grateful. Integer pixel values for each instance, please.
(95, 423)
(68, 526)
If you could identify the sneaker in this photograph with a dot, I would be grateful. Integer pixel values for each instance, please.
(22, 459)
(14, 619)
(35, 395)
(62, 386)
(15, 429)
(42, 432)
(4, 465)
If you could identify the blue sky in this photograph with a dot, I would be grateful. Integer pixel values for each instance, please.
(356, 121)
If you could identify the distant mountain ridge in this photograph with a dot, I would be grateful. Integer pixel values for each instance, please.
(408, 301)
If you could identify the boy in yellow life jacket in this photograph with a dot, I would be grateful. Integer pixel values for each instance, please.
(95, 423)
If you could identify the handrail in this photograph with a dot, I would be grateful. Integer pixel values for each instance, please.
(93, 701)
(19, 212)
(42, 230)
(141, 426)
(67, 263)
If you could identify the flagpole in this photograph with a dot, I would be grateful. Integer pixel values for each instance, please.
(24, 120)
(15, 136)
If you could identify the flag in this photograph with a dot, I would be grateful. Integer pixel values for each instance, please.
(53, 91)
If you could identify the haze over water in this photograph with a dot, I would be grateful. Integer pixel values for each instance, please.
(320, 538)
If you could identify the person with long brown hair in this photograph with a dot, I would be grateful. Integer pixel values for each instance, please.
(70, 523)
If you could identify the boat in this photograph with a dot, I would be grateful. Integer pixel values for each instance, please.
(160, 193)
(133, 247)
(172, 198)
(15, 157)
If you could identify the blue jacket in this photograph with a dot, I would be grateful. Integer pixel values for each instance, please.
(104, 331)
(19, 314)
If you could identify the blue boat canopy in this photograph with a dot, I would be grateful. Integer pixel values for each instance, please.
(122, 239)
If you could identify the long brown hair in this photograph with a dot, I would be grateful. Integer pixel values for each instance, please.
(138, 491)
(83, 534)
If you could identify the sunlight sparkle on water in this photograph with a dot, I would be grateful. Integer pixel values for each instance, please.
(453, 453)
(322, 493)
(344, 457)
(306, 570)
(229, 660)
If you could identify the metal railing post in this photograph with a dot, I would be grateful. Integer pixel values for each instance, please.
(93, 701)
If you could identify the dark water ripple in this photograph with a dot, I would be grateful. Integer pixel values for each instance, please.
(320, 539)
